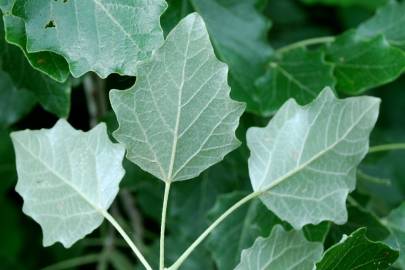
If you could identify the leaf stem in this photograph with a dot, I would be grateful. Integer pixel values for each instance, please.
(127, 239)
(190, 249)
(163, 226)
(74, 262)
(386, 147)
(304, 43)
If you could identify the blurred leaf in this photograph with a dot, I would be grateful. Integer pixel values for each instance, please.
(98, 35)
(119, 261)
(8, 174)
(316, 233)
(363, 64)
(281, 250)
(52, 186)
(188, 120)
(239, 34)
(303, 163)
(49, 63)
(389, 21)
(177, 10)
(396, 223)
(298, 74)
(239, 230)
(357, 252)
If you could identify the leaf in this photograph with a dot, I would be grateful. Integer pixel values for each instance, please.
(303, 164)
(281, 250)
(239, 34)
(53, 96)
(239, 230)
(55, 66)
(298, 74)
(316, 233)
(178, 119)
(357, 252)
(176, 11)
(67, 178)
(396, 223)
(364, 64)
(389, 21)
(14, 104)
(103, 36)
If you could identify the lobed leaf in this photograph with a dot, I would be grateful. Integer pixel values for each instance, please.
(396, 223)
(281, 250)
(67, 178)
(104, 36)
(303, 163)
(178, 119)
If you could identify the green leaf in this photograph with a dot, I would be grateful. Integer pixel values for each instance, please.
(14, 104)
(239, 230)
(298, 74)
(303, 164)
(103, 36)
(55, 66)
(364, 64)
(396, 223)
(178, 119)
(239, 34)
(389, 21)
(357, 252)
(317, 233)
(67, 178)
(281, 250)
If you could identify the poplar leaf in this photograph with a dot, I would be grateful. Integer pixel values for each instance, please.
(357, 252)
(178, 118)
(396, 223)
(67, 178)
(281, 250)
(104, 36)
(303, 163)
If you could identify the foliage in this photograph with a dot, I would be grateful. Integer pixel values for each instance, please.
(259, 104)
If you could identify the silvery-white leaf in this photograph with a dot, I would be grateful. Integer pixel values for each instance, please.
(67, 178)
(281, 251)
(305, 160)
(178, 119)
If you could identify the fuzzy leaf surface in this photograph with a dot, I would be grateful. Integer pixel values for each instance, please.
(67, 178)
(178, 118)
(303, 163)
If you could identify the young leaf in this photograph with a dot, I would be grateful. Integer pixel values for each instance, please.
(303, 164)
(103, 36)
(239, 34)
(298, 74)
(178, 119)
(363, 64)
(239, 230)
(357, 252)
(67, 178)
(281, 250)
(396, 223)
(389, 21)
(55, 66)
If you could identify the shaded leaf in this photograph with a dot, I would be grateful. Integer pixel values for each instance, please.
(239, 34)
(371, 4)
(363, 64)
(357, 252)
(67, 178)
(389, 21)
(103, 36)
(298, 74)
(178, 119)
(239, 230)
(303, 164)
(396, 223)
(281, 250)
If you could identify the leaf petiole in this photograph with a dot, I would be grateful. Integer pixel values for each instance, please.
(386, 147)
(127, 239)
(304, 43)
(163, 226)
(207, 231)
